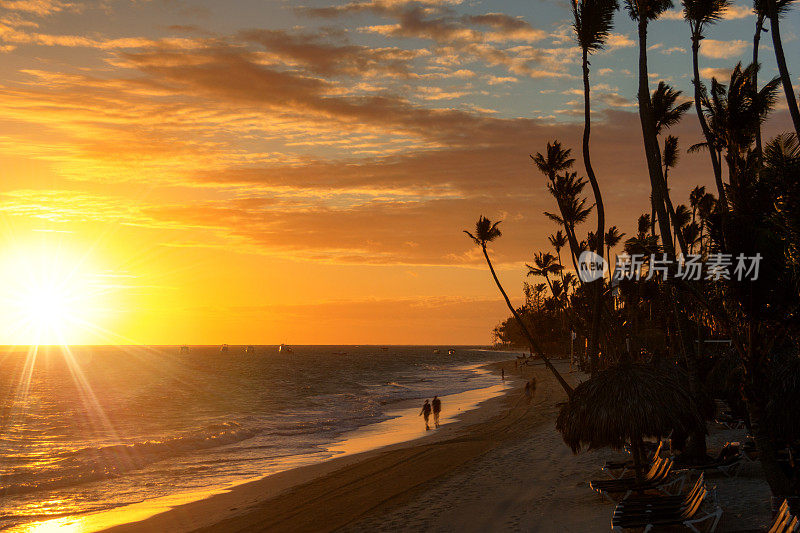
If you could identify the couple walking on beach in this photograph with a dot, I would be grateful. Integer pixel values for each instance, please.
(427, 407)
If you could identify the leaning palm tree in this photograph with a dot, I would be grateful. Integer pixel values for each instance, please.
(487, 231)
(700, 14)
(643, 11)
(775, 9)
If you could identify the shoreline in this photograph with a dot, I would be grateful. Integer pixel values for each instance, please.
(403, 428)
(333, 494)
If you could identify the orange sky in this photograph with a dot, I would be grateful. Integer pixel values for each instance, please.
(193, 172)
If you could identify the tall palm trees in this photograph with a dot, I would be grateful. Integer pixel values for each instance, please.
(643, 11)
(699, 14)
(487, 231)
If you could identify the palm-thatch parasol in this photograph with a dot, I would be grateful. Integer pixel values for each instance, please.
(625, 404)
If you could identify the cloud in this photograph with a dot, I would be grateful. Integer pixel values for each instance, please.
(738, 12)
(38, 7)
(723, 49)
(616, 41)
(333, 60)
(722, 74)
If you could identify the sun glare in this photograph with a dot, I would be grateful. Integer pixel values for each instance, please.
(50, 297)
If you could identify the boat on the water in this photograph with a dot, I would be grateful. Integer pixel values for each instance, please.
(223, 348)
(183, 349)
(285, 349)
(437, 351)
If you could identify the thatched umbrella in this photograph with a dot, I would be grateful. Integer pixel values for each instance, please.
(625, 404)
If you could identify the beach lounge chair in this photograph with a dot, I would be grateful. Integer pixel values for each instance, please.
(650, 500)
(657, 476)
(688, 513)
(618, 469)
(785, 521)
(728, 461)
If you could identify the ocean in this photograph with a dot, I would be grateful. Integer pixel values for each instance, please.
(88, 429)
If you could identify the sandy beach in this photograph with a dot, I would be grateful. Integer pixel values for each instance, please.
(502, 468)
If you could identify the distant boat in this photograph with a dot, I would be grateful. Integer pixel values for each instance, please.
(285, 349)
(223, 348)
(184, 349)
(385, 348)
(339, 353)
(250, 349)
(437, 351)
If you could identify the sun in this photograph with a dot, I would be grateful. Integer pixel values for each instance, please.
(51, 296)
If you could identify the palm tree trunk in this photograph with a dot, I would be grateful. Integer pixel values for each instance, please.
(775, 29)
(779, 484)
(531, 339)
(651, 147)
(715, 160)
(597, 286)
(756, 42)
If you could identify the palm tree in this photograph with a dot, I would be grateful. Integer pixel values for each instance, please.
(738, 110)
(643, 11)
(593, 20)
(555, 160)
(487, 231)
(558, 240)
(699, 14)
(545, 266)
(694, 198)
(612, 238)
(681, 220)
(775, 9)
(760, 9)
(667, 114)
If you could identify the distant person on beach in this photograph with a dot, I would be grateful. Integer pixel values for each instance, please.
(426, 412)
(437, 408)
(503, 374)
(528, 395)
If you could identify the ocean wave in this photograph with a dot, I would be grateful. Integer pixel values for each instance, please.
(83, 465)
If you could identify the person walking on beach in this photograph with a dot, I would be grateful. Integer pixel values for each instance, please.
(503, 374)
(426, 412)
(528, 393)
(437, 408)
